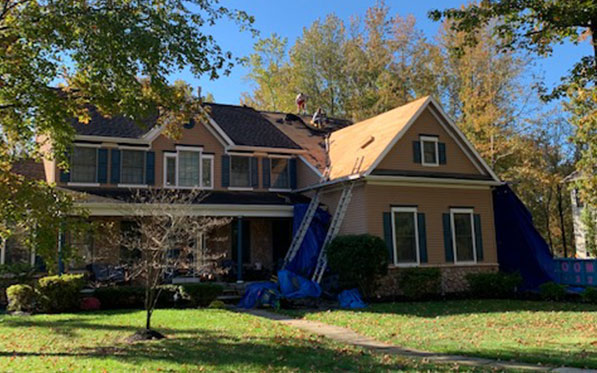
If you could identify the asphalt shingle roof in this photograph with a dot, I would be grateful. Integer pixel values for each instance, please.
(117, 126)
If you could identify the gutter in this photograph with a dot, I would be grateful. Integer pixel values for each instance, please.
(431, 180)
(246, 148)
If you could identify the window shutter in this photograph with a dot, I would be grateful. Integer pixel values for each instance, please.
(254, 172)
(115, 167)
(149, 168)
(417, 151)
(292, 166)
(441, 147)
(478, 238)
(102, 166)
(265, 169)
(225, 171)
(422, 237)
(387, 234)
(448, 238)
(65, 175)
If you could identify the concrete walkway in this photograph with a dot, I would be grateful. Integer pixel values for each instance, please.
(348, 336)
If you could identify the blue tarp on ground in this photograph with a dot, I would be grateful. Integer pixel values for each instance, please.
(351, 299)
(305, 260)
(293, 286)
(260, 294)
(520, 246)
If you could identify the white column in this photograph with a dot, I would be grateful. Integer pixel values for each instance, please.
(2, 250)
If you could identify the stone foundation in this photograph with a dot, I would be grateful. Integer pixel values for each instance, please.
(453, 279)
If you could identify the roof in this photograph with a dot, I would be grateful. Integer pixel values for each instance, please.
(308, 137)
(116, 126)
(120, 195)
(354, 149)
(246, 126)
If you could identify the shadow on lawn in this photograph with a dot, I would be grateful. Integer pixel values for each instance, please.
(222, 350)
(433, 309)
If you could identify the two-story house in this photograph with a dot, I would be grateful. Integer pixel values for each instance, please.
(419, 183)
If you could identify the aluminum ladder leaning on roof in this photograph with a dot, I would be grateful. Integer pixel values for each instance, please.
(343, 202)
(298, 238)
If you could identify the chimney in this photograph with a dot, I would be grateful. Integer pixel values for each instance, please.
(199, 91)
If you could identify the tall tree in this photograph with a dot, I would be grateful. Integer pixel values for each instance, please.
(535, 26)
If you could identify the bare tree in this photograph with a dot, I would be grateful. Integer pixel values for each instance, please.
(163, 233)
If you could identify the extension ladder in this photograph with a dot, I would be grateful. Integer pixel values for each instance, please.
(343, 202)
(298, 238)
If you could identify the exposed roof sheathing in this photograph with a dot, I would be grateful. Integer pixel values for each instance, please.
(354, 149)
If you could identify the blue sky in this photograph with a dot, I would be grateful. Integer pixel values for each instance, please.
(288, 18)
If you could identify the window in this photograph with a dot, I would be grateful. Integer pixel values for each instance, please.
(240, 171)
(84, 165)
(406, 240)
(463, 235)
(207, 171)
(188, 169)
(280, 173)
(132, 169)
(429, 151)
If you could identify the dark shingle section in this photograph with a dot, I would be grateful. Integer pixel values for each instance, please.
(117, 126)
(246, 126)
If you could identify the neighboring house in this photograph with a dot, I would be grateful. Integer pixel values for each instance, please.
(580, 228)
(419, 184)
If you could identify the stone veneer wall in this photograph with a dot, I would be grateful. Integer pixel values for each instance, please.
(453, 279)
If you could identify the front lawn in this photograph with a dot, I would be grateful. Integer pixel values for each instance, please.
(198, 341)
(535, 332)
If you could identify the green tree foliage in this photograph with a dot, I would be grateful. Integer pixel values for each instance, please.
(533, 25)
(113, 54)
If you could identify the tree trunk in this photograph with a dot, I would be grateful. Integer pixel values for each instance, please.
(562, 227)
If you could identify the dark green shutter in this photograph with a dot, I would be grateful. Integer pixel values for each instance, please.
(265, 169)
(225, 171)
(478, 238)
(417, 151)
(442, 152)
(422, 237)
(292, 165)
(65, 175)
(149, 168)
(387, 234)
(115, 166)
(449, 251)
(254, 172)
(102, 166)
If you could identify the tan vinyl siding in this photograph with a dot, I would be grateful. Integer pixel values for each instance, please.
(433, 201)
(401, 156)
(305, 176)
(355, 220)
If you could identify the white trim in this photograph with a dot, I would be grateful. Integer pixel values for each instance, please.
(281, 190)
(110, 139)
(239, 154)
(429, 181)
(413, 211)
(74, 183)
(310, 166)
(435, 141)
(140, 186)
(211, 171)
(471, 212)
(281, 156)
(264, 149)
(189, 148)
(138, 148)
(153, 133)
(124, 209)
(238, 189)
(165, 169)
(86, 145)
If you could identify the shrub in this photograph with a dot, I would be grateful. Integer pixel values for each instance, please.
(60, 293)
(21, 298)
(493, 285)
(200, 295)
(359, 261)
(552, 291)
(217, 304)
(119, 297)
(590, 295)
(419, 283)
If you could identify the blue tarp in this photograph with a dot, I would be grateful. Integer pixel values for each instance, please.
(260, 294)
(305, 260)
(293, 286)
(520, 246)
(351, 299)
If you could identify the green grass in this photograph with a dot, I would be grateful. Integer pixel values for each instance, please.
(535, 332)
(198, 341)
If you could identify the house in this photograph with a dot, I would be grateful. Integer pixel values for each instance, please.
(418, 183)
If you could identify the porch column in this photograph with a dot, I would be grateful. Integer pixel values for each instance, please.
(2, 250)
(60, 246)
(239, 249)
